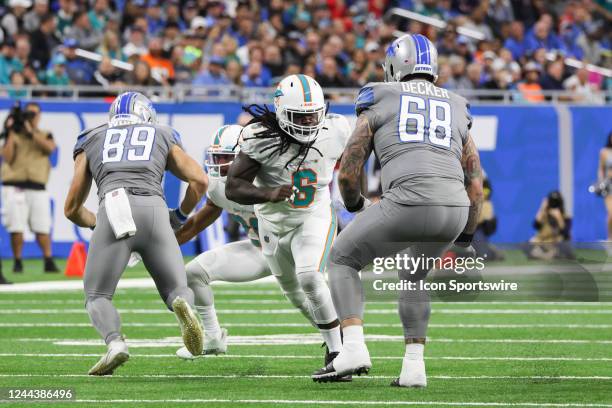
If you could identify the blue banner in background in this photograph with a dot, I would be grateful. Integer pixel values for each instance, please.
(591, 126)
(522, 165)
(519, 147)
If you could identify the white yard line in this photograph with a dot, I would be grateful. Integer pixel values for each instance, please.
(295, 311)
(285, 302)
(339, 402)
(305, 325)
(274, 376)
(290, 339)
(309, 357)
(68, 285)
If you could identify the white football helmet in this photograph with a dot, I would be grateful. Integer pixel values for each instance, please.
(298, 98)
(130, 108)
(223, 149)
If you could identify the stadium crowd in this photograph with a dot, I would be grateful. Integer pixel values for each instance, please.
(341, 43)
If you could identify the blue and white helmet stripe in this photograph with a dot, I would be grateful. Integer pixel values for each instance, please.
(410, 54)
(130, 108)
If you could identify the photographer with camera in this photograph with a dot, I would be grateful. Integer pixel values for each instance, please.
(553, 226)
(25, 172)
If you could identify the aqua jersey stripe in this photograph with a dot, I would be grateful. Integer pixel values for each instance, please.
(306, 87)
(329, 241)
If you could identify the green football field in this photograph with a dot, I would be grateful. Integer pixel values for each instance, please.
(478, 353)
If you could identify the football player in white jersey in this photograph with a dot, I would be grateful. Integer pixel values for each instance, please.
(240, 261)
(284, 169)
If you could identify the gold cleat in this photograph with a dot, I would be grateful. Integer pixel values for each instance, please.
(191, 327)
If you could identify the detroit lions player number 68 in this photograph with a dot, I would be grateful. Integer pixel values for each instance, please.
(420, 135)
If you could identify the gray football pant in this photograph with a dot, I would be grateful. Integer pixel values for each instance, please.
(108, 258)
(385, 229)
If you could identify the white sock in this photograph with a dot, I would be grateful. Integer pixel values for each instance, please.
(414, 351)
(209, 320)
(353, 334)
(332, 339)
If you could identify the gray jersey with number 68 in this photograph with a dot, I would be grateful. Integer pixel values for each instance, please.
(129, 156)
(419, 132)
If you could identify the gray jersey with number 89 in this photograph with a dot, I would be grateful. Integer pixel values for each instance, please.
(129, 156)
(419, 133)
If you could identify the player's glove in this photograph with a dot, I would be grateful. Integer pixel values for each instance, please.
(177, 219)
(361, 205)
(463, 246)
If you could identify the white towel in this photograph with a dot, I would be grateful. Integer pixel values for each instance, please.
(119, 213)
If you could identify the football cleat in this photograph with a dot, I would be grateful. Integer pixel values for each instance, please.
(353, 359)
(412, 375)
(116, 355)
(329, 357)
(191, 326)
(212, 346)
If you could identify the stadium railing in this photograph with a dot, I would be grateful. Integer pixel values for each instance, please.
(190, 93)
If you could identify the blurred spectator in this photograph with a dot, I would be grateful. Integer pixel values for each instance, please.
(213, 74)
(161, 67)
(155, 20)
(253, 76)
(65, 15)
(43, 41)
(234, 72)
(580, 87)
(136, 44)
(541, 36)
(458, 79)
(516, 43)
(80, 71)
(107, 75)
(553, 79)
(99, 15)
(56, 74)
(141, 75)
(330, 77)
(474, 75)
(530, 89)
(590, 42)
(82, 31)
(32, 19)
(8, 61)
(17, 91)
(111, 47)
(553, 226)
(25, 173)
(13, 21)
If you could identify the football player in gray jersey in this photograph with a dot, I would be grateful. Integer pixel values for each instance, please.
(432, 195)
(127, 158)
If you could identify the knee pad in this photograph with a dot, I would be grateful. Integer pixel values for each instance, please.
(92, 297)
(311, 282)
(196, 274)
(341, 256)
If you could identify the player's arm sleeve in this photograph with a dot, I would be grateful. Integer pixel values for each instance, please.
(367, 104)
(81, 143)
(251, 145)
(467, 120)
(172, 137)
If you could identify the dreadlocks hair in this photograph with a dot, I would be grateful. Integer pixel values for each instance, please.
(263, 114)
